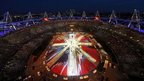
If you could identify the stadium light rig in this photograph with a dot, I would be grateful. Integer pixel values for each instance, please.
(97, 18)
(45, 19)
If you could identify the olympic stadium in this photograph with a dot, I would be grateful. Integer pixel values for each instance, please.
(39, 47)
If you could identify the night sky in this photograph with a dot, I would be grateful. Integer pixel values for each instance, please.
(22, 6)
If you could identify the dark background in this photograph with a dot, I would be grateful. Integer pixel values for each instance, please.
(37, 6)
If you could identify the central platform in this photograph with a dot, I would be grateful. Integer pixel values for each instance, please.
(71, 54)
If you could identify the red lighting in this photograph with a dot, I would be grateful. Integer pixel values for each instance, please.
(72, 54)
(46, 19)
(97, 18)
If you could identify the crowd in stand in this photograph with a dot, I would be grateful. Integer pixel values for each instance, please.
(127, 46)
(16, 49)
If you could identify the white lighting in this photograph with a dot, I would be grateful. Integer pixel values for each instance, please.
(73, 45)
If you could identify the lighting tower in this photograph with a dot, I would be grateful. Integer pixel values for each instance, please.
(84, 16)
(29, 19)
(113, 18)
(135, 20)
(29, 16)
(97, 16)
(59, 17)
(71, 15)
(7, 18)
(45, 16)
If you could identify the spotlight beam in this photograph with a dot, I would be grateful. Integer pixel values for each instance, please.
(85, 44)
(59, 44)
(63, 68)
(56, 58)
(90, 58)
(79, 38)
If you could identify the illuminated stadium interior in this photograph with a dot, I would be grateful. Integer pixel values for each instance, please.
(71, 54)
(98, 40)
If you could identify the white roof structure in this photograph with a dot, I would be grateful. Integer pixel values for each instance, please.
(113, 18)
(135, 20)
(29, 15)
(84, 16)
(59, 16)
(45, 15)
(7, 17)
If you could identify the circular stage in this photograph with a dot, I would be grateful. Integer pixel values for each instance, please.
(68, 55)
(72, 54)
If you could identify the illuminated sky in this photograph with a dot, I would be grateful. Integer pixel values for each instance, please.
(60, 5)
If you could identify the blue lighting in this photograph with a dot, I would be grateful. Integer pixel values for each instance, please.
(6, 28)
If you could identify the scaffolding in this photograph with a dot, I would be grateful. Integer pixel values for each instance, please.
(59, 17)
(45, 15)
(113, 18)
(135, 21)
(29, 19)
(71, 15)
(29, 16)
(84, 16)
(7, 18)
(97, 16)
(7, 25)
